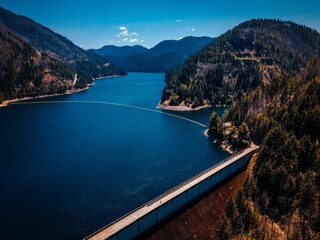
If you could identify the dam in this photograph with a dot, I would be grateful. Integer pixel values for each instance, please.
(136, 224)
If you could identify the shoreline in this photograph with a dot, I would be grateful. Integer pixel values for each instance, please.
(224, 146)
(183, 108)
(68, 92)
(167, 107)
(113, 76)
(227, 148)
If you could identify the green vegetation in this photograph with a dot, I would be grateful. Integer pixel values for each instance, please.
(281, 198)
(222, 132)
(215, 125)
(240, 60)
(36, 61)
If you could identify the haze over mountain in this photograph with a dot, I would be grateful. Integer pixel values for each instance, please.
(250, 54)
(37, 61)
(165, 55)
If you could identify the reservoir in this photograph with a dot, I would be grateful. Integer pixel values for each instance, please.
(69, 168)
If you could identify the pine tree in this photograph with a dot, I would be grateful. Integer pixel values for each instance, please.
(230, 208)
(243, 135)
(215, 125)
(224, 229)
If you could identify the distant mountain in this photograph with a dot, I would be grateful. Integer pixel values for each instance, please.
(250, 54)
(163, 56)
(185, 47)
(36, 61)
(111, 50)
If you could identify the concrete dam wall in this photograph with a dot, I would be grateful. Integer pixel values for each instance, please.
(137, 223)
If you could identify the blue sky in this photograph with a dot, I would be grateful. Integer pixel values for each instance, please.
(92, 24)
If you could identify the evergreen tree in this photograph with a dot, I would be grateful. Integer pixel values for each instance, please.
(307, 154)
(215, 125)
(224, 229)
(247, 219)
(230, 209)
(240, 202)
(243, 135)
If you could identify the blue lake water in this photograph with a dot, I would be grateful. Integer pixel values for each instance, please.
(68, 169)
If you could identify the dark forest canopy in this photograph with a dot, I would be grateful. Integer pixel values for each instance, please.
(283, 189)
(252, 53)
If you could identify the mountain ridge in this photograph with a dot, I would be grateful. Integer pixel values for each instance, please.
(159, 58)
(250, 54)
(119, 51)
(37, 61)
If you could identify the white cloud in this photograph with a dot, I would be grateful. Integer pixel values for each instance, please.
(111, 41)
(178, 20)
(127, 36)
(179, 38)
(190, 29)
(124, 31)
(141, 40)
(132, 40)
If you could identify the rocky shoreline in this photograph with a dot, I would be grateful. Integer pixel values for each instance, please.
(113, 76)
(225, 146)
(165, 106)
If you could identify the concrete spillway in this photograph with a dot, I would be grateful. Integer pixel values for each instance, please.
(138, 222)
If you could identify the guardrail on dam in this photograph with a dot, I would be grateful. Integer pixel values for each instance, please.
(134, 224)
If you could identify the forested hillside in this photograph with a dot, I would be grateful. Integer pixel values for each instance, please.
(26, 72)
(243, 58)
(280, 199)
(36, 61)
